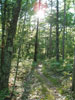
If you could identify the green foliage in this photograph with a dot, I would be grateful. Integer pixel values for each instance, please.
(4, 93)
(25, 39)
(69, 18)
(34, 65)
(47, 94)
(59, 67)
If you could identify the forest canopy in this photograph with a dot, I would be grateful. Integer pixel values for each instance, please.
(37, 43)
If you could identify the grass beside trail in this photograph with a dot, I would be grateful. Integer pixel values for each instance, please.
(60, 74)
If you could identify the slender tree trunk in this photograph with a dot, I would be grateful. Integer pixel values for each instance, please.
(57, 32)
(73, 74)
(74, 9)
(36, 42)
(4, 78)
(64, 29)
(50, 44)
(50, 40)
(18, 58)
(3, 18)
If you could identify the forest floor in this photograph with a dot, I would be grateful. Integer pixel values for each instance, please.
(32, 84)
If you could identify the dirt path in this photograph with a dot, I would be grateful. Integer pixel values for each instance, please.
(49, 85)
(35, 86)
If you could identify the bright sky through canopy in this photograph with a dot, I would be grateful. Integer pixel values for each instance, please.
(40, 8)
(40, 14)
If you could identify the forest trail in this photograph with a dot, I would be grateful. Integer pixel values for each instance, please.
(35, 86)
(49, 85)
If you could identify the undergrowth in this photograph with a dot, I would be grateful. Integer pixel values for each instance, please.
(60, 74)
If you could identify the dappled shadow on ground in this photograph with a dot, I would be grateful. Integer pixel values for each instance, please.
(33, 88)
(34, 85)
(50, 87)
(24, 71)
(27, 85)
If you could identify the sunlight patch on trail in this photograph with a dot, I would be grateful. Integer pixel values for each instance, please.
(49, 85)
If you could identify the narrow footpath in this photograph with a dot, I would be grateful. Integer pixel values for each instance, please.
(35, 86)
(49, 85)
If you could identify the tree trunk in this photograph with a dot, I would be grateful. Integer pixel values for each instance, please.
(36, 42)
(4, 78)
(3, 18)
(73, 74)
(64, 29)
(50, 40)
(57, 33)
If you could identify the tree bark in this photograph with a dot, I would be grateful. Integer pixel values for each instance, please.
(3, 19)
(64, 30)
(4, 78)
(50, 40)
(36, 42)
(57, 32)
(73, 74)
